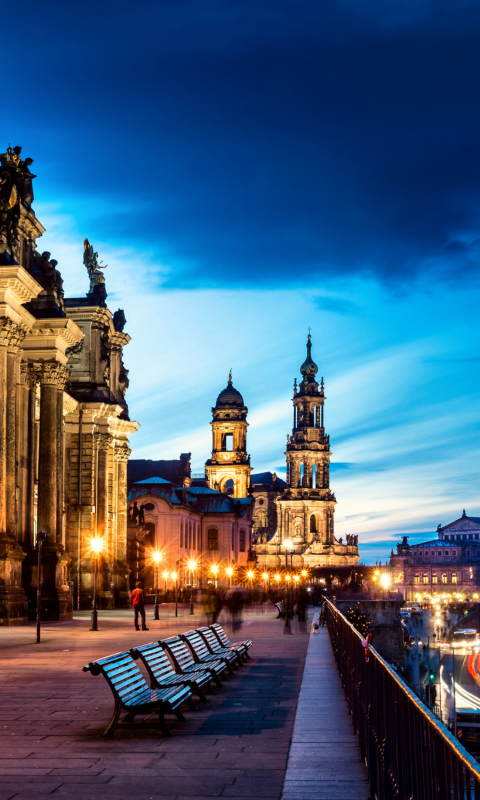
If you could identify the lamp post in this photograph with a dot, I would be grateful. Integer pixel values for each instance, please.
(229, 573)
(385, 581)
(174, 577)
(250, 576)
(288, 545)
(165, 576)
(96, 547)
(192, 566)
(214, 572)
(42, 536)
(156, 557)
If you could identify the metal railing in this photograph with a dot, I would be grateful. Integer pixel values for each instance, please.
(409, 754)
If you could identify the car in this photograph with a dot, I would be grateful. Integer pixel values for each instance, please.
(405, 613)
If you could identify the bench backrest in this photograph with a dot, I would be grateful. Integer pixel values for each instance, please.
(180, 653)
(221, 634)
(212, 640)
(156, 661)
(197, 645)
(122, 674)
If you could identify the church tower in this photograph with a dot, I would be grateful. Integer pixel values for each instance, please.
(305, 509)
(228, 470)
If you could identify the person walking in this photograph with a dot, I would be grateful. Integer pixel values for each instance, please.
(137, 600)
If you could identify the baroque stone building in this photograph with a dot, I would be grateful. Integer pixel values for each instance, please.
(306, 507)
(64, 422)
(448, 564)
(228, 470)
(265, 488)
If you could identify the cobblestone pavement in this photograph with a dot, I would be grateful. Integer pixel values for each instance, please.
(52, 714)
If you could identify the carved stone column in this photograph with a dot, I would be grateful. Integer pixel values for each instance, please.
(122, 455)
(106, 590)
(31, 375)
(57, 603)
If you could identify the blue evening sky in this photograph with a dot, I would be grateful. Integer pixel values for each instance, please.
(250, 169)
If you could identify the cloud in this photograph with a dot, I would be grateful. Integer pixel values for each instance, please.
(337, 305)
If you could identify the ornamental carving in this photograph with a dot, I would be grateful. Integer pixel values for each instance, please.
(122, 454)
(11, 333)
(54, 374)
(104, 440)
(31, 373)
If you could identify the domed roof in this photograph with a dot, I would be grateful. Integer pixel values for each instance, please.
(309, 369)
(230, 396)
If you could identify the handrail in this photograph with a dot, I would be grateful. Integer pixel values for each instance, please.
(409, 753)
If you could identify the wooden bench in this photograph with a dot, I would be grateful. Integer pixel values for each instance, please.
(281, 610)
(162, 673)
(185, 663)
(240, 647)
(218, 649)
(132, 693)
(201, 652)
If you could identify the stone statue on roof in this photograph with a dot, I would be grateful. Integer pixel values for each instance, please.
(94, 267)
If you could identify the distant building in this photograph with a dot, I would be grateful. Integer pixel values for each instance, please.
(265, 488)
(228, 470)
(306, 506)
(175, 470)
(187, 523)
(448, 564)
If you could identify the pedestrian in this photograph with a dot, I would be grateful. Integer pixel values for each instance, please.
(323, 614)
(137, 600)
(234, 600)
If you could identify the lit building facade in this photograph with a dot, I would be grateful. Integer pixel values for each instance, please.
(64, 422)
(305, 509)
(188, 523)
(447, 565)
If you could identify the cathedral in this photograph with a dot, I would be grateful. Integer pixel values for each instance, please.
(305, 508)
(64, 422)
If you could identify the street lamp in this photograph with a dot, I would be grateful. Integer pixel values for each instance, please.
(174, 577)
(229, 573)
(250, 576)
(192, 566)
(42, 537)
(96, 546)
(214, 571)
(385, 581)
(157, 556)
(288, 545)
(165, 576)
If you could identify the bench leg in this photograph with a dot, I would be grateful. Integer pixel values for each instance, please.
(179, 715)
(192, 705)
(216, 679)
(129, 717)
(163, 725)
(201, 694)
(109, 730)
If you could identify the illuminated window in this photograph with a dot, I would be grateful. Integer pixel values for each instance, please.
(425, 577)
(212, 539)
(416, 578)
(444, 577)
(434, 578)
(241, 542)
(454, 577)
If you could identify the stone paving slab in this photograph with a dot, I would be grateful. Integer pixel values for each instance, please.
(52, 714)
(324, 760)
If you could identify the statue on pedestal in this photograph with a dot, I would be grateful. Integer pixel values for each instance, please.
(90, 259)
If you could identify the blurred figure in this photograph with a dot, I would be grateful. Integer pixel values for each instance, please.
(216, 605)
(302, 603)
(211, 604)
(137, 600)
(234, 600)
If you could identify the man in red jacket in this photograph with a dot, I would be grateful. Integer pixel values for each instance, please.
(137, 600)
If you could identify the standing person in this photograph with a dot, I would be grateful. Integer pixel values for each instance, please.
(137, 600)
(234, 602)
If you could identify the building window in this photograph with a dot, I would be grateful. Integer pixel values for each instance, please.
(212, 539)
(149, 507)
(444, 577)
(425, 577)
(233, 536)
(434, 578)
(313, 524)
(454, 577)
(447, 553)
(181, 533)
(416, 578)
(241, 545)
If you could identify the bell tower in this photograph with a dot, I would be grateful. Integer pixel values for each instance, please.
(228, 470)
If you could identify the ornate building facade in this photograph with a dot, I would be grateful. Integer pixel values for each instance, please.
(187, 523)
(265, 488)
(228, 470)
(64, 422)
(446, 565)
(305, 509)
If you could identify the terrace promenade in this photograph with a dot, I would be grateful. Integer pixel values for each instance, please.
(236, 745)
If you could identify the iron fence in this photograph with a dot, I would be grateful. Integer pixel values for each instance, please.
(409, 754)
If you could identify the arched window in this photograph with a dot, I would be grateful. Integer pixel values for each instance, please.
(149, 507)
(181, 533)
(416, 578)
(444, 577)
(302, 474)
(212, 539)
(313, 524)
(241, 544)
(425, 577)
(434, 578)
(454, 577)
